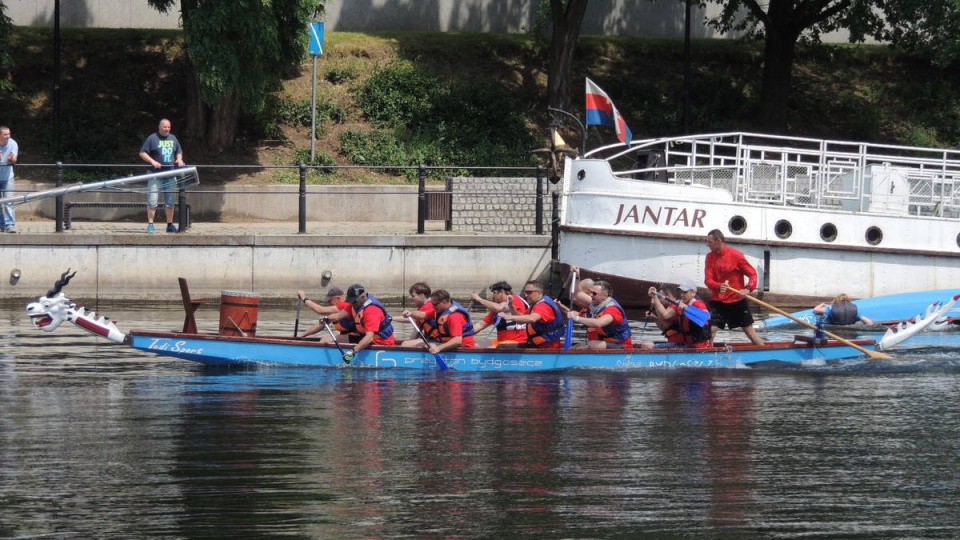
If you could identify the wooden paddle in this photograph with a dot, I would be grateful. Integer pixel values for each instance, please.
(868, 352)
(568, 338)
(346, 357)
(296, 325)
(436, 356)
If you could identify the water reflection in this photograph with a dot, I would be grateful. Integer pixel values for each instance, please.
(100, 441)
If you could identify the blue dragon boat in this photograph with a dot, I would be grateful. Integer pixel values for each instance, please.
(237, 344)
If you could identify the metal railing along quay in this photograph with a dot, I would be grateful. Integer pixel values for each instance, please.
(465, 194)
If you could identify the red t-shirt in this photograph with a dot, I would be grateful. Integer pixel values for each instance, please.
(428, 309)
(546, 315)
(729, 265)
(593, 334)
(512, 335)
(455, 322)
(370, 321)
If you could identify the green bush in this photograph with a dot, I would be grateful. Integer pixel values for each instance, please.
(340, 75)
(436, 123)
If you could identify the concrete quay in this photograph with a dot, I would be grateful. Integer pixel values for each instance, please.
(120, 261)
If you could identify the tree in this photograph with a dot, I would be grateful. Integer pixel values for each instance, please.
(6, 61)
(784, 23)
(240, 51)
(566, 17)
(928, 27)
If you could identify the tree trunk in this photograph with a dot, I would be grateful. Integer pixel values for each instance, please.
(776, 86)
(563, 43)
(214, 126)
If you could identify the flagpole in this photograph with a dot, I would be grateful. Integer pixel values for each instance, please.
(583, 129)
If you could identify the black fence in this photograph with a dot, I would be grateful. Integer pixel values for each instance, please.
(433, 203)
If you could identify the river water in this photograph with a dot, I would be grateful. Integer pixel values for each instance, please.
(99, 441)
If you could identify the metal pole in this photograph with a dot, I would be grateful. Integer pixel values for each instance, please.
(313, 116)
(422, 202)
(303, 199)
(686, 70)
(182, 221)
(555, 227)
(56, 79)
(59, 200)
(539, 211)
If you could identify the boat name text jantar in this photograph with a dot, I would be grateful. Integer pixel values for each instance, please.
(692, 217)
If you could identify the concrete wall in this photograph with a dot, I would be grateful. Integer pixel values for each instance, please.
(629, 17)
(664, 18)
(145, 267)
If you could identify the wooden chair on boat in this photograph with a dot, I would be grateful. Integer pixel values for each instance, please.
(189, 307)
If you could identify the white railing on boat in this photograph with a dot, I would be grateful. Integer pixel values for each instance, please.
(813, 173)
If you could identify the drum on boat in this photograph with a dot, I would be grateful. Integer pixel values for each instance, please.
(238, 313)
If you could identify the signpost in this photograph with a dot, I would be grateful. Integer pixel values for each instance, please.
(315, 30)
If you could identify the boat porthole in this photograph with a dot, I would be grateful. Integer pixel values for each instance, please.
(958, 240)
(582, 174)
(737, 225)
(783, 229)
(828, 232)
(874, 236)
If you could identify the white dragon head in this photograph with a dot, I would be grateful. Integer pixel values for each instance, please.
(51, 310)
(48, 312)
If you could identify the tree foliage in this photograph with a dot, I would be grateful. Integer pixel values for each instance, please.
(6, 61)
(784, 23)
(240, 52)
(929, 27)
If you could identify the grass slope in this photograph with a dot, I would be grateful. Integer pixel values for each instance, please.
(116, 84)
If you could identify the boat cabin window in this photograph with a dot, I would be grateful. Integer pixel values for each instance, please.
(874, 236)
(828, 232)
(737, 225)
(783, 229)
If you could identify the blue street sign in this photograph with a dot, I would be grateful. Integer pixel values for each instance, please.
(315, 29)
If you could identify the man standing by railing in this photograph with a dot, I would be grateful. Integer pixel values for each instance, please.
(161, 149)
(8, 158)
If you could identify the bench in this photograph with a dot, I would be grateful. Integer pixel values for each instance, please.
(67, 221)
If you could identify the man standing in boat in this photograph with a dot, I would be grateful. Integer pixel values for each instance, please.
(725, 268)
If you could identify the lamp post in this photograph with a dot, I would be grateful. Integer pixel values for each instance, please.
(56, 80)
(686, 69)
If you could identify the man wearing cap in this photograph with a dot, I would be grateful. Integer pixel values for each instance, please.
(373, 325)
(679, 330)
(510, 334)
(333, 302)
(605, 319)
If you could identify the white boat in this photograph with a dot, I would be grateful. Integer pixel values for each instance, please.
(815, 217)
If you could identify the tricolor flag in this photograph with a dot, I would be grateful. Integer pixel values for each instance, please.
(601, 112)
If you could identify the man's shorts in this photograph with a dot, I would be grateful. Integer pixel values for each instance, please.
(735, 315)
(169, 188)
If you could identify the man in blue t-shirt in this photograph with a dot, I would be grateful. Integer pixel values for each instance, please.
(161, 149)
(8, 157)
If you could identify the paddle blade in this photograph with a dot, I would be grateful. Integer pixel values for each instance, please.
(440, 363)
(696, 315)
(568, 338)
